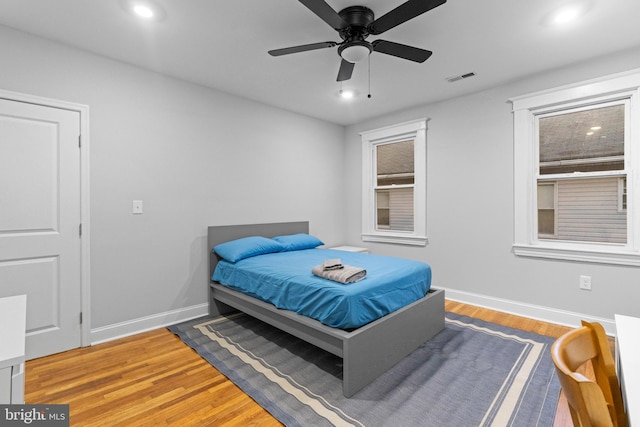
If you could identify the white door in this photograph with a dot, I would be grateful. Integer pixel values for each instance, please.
(40, 243)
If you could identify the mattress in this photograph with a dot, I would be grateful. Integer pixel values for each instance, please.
(284, 279)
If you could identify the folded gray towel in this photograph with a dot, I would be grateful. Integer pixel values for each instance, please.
(332, 264)
(347, 274)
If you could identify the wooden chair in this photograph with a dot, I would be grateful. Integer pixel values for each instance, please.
(591, 403)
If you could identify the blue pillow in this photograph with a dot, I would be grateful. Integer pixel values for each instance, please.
(247, 247)
(297, 242)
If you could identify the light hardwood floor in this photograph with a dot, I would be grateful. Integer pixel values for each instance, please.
(153, 379)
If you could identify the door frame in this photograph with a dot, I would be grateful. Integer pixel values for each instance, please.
(85, 264)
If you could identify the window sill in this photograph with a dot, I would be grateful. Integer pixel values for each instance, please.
(589, 254)
(397, 238)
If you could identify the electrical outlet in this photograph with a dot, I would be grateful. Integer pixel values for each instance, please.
(585, 283)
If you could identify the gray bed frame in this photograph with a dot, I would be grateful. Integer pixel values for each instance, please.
(367, 352)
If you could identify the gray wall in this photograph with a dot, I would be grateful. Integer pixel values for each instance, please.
(470, 204)
(199, 157)
(196, 157)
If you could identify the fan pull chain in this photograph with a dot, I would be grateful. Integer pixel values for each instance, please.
(369, 74)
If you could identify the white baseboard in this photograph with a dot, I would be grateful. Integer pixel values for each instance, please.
(545, 314)
(143, 324)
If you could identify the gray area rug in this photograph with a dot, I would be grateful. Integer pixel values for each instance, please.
(473, 373)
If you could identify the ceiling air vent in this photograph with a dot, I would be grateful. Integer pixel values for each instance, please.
(460, 77)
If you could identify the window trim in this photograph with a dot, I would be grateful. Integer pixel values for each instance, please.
(525, 109)
(415, 130)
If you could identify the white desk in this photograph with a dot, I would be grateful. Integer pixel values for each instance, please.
(13, 315)
(628, 364)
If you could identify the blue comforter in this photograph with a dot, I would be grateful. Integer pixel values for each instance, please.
(285, 280)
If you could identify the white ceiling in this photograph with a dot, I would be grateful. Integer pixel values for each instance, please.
(224, 44)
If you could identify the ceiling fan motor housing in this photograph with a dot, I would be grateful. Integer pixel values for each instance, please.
(358, 19)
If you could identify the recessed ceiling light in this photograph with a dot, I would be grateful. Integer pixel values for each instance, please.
(144, 9)
(596, 128)
(567, 13)
(347, 94)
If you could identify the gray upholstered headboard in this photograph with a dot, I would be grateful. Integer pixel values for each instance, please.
(225, 233)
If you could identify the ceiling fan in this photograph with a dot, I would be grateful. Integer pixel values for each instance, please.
(355, 23)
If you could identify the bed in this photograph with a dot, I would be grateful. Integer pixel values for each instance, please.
(367, 351)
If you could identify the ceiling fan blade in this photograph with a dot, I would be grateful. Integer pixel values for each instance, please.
(401, 50)
(301, 48)
(346, 69)
(326, 13)
(403, 13)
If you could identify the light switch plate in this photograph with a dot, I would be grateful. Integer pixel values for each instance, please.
(137, 207)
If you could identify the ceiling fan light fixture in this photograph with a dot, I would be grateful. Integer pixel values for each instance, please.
(355, 52)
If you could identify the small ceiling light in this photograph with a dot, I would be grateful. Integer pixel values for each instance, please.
(589, 133)
(347, 94)
(355, 51)
(567, 13)
(596, 128)
(143, 11)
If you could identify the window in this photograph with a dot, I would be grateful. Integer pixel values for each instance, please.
(395, 178)
(394, 184)
(581, 159)
(574, 169)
